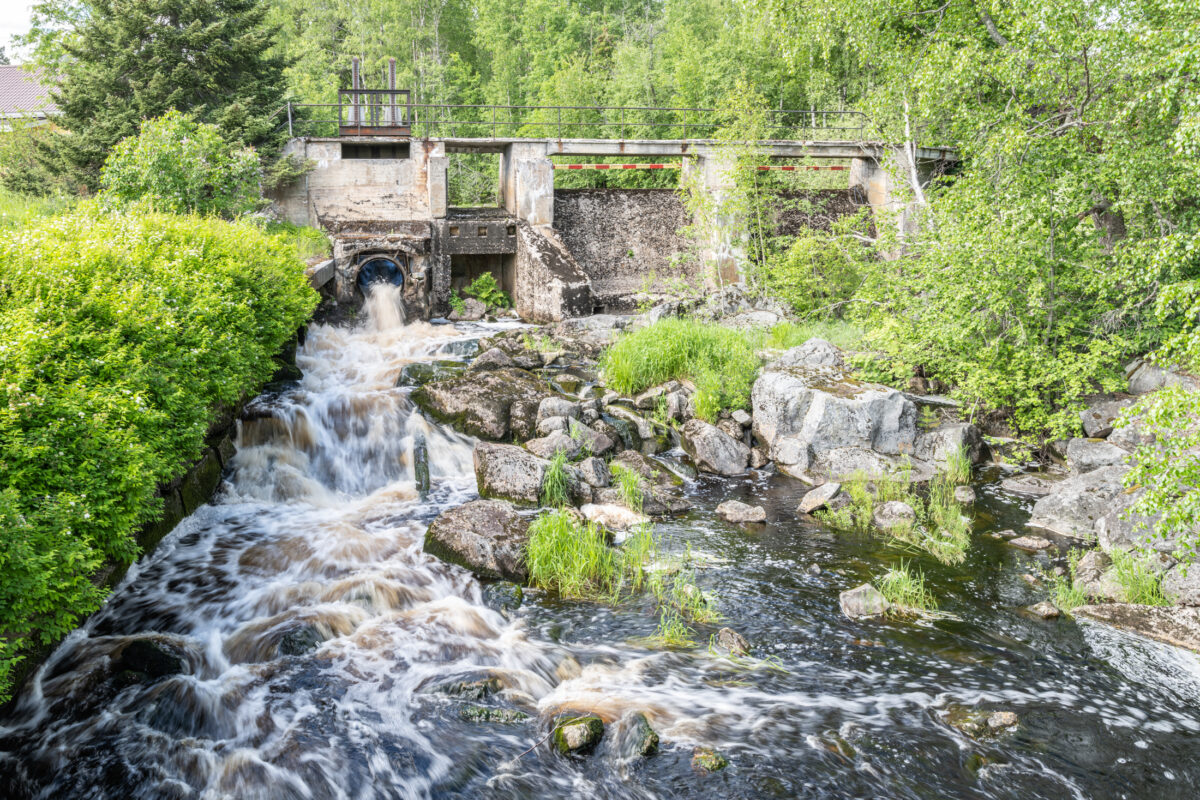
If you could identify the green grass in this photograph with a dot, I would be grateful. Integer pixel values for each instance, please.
(1067, 595)
(720, 361)
(17, 210)
(672, 631)
(791, 334)
(556, 486)
(689, 600)
(958, 466)
(1139, 584)
(941, 529)
(571, 558)
(629, 486)
(905, 589)
(640, 548)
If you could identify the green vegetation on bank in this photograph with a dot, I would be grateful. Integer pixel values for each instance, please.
(122, 335)
(719, 361)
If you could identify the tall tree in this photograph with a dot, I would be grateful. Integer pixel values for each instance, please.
(131, 60)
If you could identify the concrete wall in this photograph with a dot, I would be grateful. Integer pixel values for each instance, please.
(625, 238)
(549, 285)
(340, 191)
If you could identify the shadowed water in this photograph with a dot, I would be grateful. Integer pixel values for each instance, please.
(313, 634)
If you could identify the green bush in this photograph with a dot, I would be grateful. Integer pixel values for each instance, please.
(178, 164)
(720, 361)
(121, 335)
(816, 274)
(487, 291)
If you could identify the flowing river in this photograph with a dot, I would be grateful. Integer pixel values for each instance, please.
(319, 640)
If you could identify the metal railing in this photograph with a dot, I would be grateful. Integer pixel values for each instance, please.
(378, 112)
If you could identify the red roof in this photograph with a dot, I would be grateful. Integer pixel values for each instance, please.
(23, 92)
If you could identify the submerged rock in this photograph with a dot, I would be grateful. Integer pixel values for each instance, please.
(964, 495)
(738, 512)
(1044, 610)
(713, 450)
(863, 602)
(487, 537)
(1030, 542)
(1036, 485)
(300, 640)
(633, 737)
(731, 642)
(818, 498)
(500, 716)
(706, 760)
(151, 657)
(578, 734)
(999, 720)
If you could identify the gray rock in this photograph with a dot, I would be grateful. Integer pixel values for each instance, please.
(495, 358)
(487, 537)
(549, 425)
(591, 440)
(842, 463)
(594, 472)
(713, 450)
(589, 416)
(964, 495)
(1181, 584)
(731, 429)
(1085, 455)
(999, 720)
(508, 472)
(678, 406)
(894, 515)
(1130, 436)
(577, 733)
(741, 417)
(1099, 416)
(706, 760)
(557, 407)
(1174, 625)
(738, 512)
(1030, 542)
(813, 353)
(937, 445)
(731, 642)
(1044, 610)
(472, 310)
(863, 602)
(1075, 504)
(633, 737)
(758, 458)
(1035, 485)
(547, 446)
(1145, 378)
(648, 399)
(816, 499)
(1095, 576)
(489, 404)
(651, 471)
(641, 426)
(806, 404)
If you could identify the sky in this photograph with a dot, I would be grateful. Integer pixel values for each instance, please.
(14, 18)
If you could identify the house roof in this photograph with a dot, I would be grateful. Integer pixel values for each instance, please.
(23, 92)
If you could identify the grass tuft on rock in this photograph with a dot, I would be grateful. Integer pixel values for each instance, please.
(720, 361)
(572, 558)
(556, 486)
(629, 486)
(1138, 582)
(1067, 596)
(904, 587)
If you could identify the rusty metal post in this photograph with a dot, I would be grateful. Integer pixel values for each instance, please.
(391, 84)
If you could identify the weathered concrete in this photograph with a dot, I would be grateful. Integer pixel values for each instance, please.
(625, 240)
(549, 285)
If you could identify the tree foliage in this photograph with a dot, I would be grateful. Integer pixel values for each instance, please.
(124, 61)
(121, 335)
(176, 164)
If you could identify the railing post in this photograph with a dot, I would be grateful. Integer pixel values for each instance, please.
(560, 122)
(290, 134)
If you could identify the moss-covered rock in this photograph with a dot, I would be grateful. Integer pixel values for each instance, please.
(707, 760)
(500, 716)
(577, 734)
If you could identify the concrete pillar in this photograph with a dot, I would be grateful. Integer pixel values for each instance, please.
(527, 182)
(436, 183)
(723, 249)
(886, 185)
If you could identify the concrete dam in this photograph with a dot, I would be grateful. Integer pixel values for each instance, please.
(382, 196)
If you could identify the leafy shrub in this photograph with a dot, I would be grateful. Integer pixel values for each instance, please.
(816, 274)
(121, 335)
(178, 164)
(720, 361)
(485, 290)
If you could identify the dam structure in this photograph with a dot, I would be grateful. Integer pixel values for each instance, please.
(379, 178)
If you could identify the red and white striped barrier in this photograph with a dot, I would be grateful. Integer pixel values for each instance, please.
(784, 168)
(616, 166)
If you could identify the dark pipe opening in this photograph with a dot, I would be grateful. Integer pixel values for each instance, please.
(380, 270)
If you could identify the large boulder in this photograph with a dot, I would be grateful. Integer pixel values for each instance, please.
(487, 537)
(806, 404)
(1144, 378)
(1181, 584)
(937, 445)
(1085, 455)
(1074, 505)
(1101, 413)
(508, 472)
(1096, 577)
(713, 450)
(548, 446)
(738, 512)
(491, 404)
